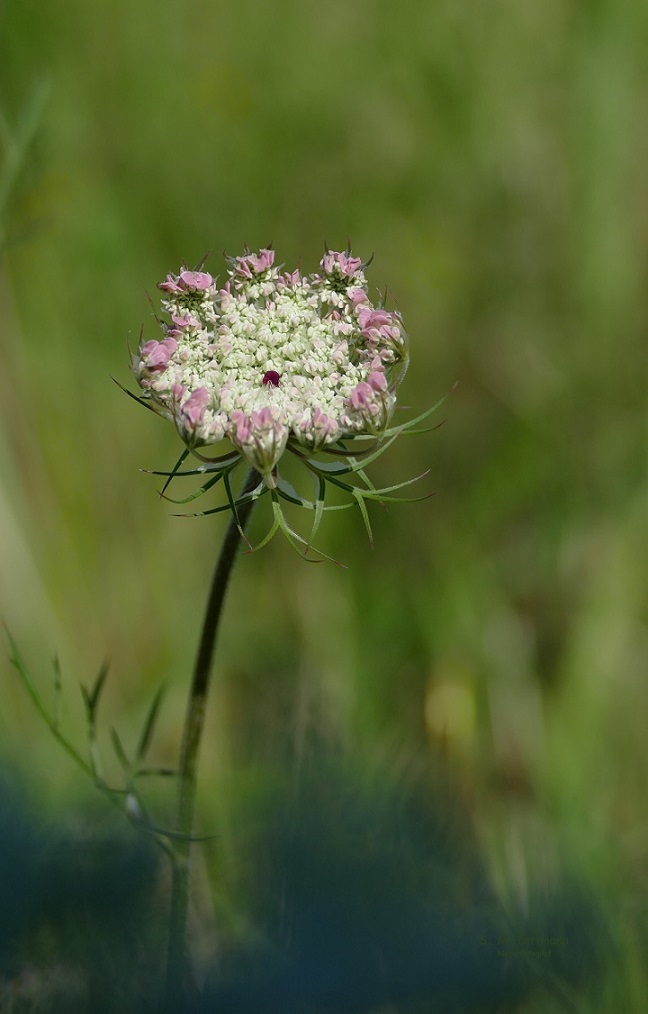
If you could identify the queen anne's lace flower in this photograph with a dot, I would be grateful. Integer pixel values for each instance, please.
(273, 359)
(276, 361)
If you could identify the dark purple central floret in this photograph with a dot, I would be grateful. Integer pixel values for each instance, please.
(271, 377)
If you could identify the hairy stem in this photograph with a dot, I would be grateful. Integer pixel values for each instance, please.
(178, 979)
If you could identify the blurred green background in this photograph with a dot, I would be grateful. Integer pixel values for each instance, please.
(493, 157)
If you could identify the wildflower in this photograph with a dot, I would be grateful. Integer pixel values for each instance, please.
(276, 362)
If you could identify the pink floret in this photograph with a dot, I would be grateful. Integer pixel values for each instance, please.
(155, 355)
(262, 420)
(358, 296)
(347, 266)
(368, 318)
(378, 381)
(289, 279)
(362, 395)
(255, 263)
(170, 284)
(196, 280)
(263, 260)
(242, 423)
(194, 407)
(323, 422)
(185, 321)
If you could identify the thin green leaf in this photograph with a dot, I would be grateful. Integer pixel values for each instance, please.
(16, 660)
(233, 507)
(353, 466)
(205, 514)
(426, 429)
(365, 478)
(91, 701)
(221, 459)
(379, 494)
(287, 493)
(327, 467)
(254, 495)
(174, 471)
(348, 452)
(385, 443)
(135, 397)
(293, 537)
(149, 725)
(320, 493)
(91, 697)
(346, 486)
(398, 499)
(117, 797)
(198, 470)
(403, 427)
(196, 493)
(270, 534)
(359, 499)
(119, 751)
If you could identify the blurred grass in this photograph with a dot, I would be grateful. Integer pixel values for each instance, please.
(493, 157)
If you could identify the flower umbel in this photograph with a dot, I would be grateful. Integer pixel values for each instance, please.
(275, 362)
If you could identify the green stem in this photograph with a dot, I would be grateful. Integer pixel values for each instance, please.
(178, 978)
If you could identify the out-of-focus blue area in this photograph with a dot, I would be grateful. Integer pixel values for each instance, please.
(360, 897)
